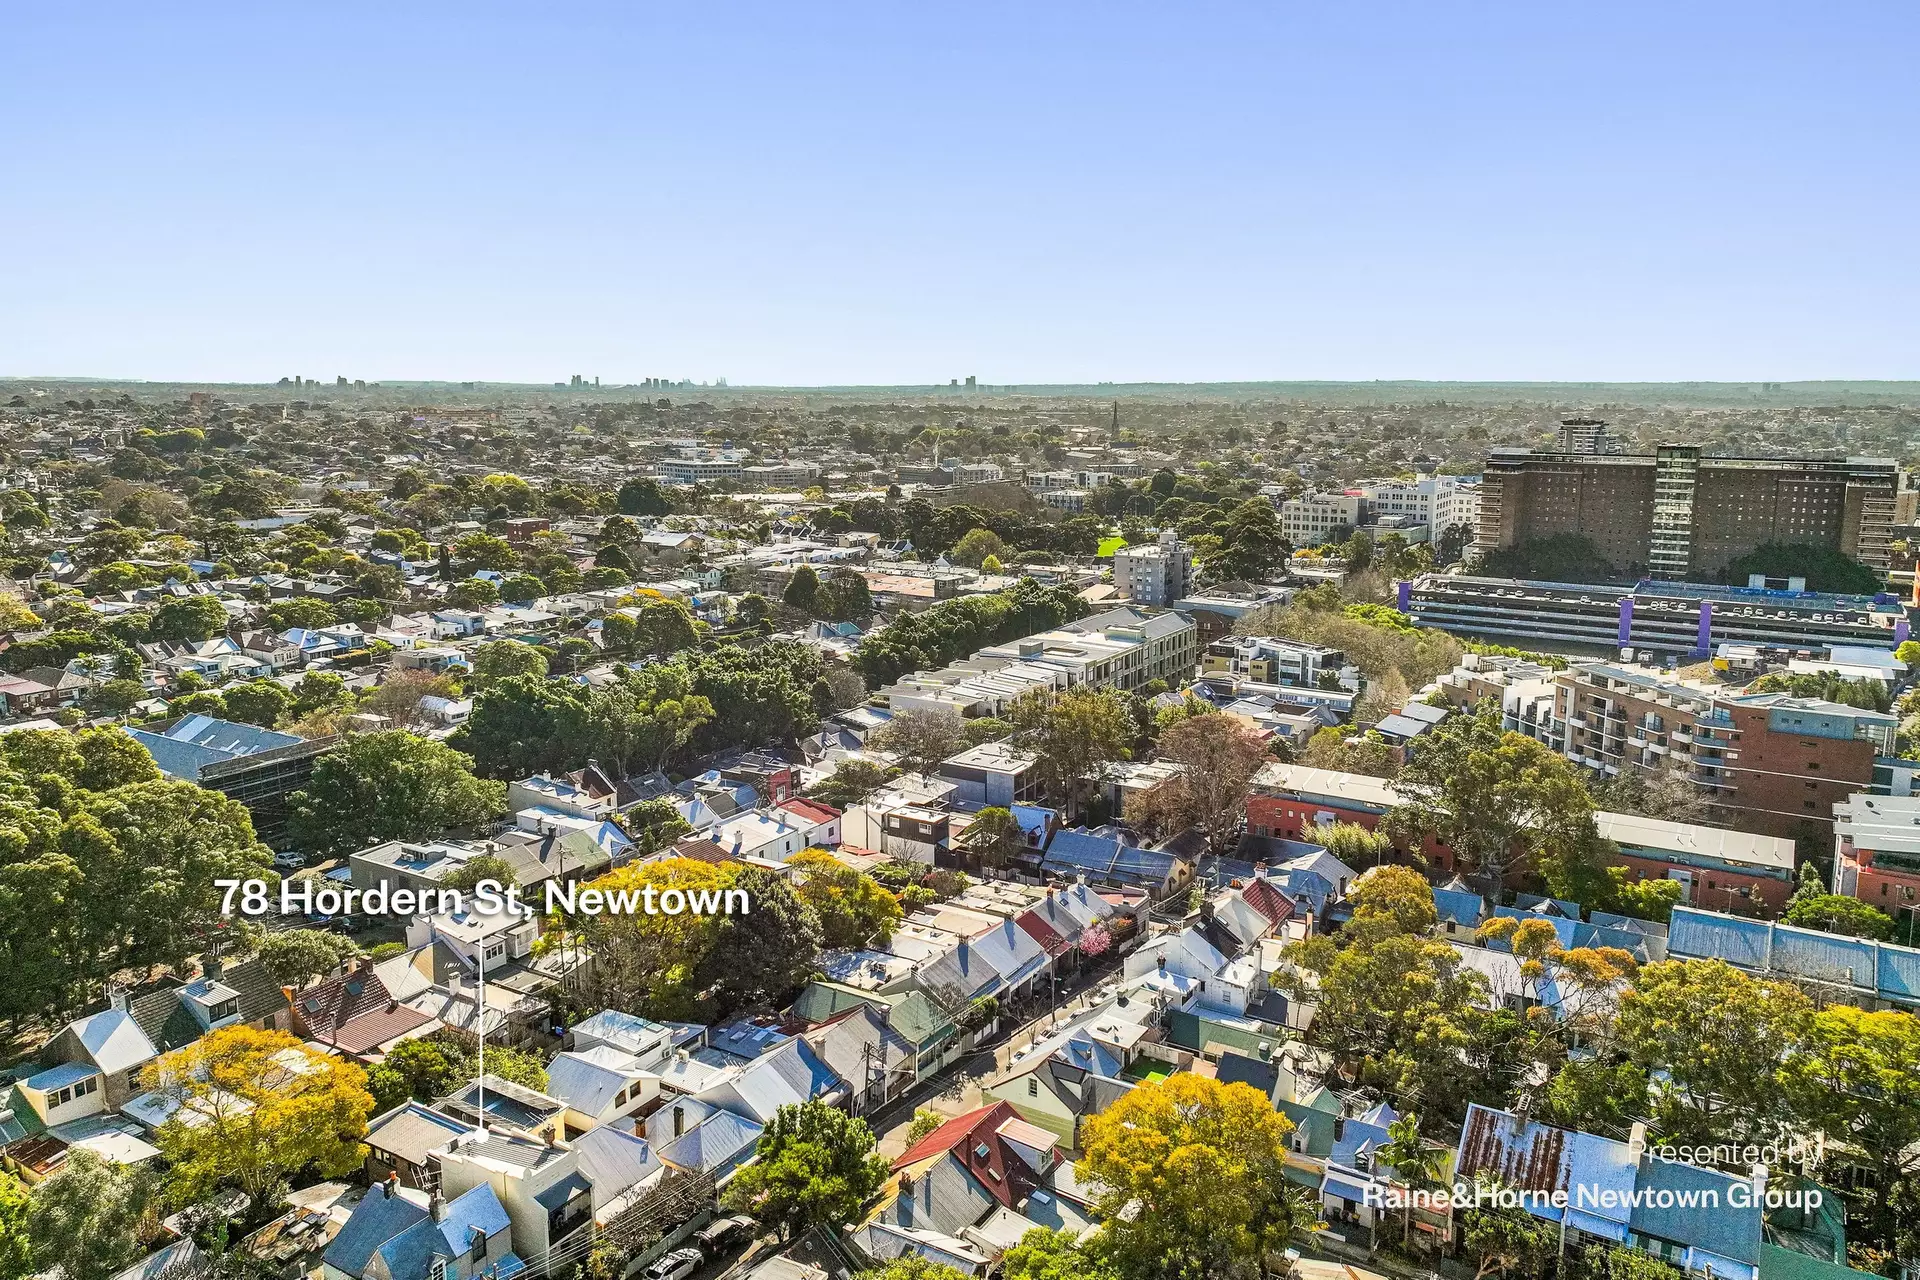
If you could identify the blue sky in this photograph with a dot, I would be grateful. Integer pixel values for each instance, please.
(905, 193)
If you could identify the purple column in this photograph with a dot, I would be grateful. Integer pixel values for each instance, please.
(1626, 621)
(1900, 632)
(1403, 595)
(1706, 628)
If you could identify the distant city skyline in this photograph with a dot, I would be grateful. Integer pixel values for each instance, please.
(866, 195)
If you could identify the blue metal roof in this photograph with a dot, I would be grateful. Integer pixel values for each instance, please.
(1743, 943)
(1701, 1214)
(1461, 906)
(1344, 1190)
(1889, 971)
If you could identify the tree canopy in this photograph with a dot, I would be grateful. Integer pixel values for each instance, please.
(255, 1108)
(1193, 1179)
(391, 785)
(816, 1166)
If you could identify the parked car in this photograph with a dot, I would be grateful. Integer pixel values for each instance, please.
(288, 860)
(724, 1232)
(677, 1265)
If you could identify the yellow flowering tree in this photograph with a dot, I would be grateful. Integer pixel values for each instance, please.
(256, 1107)
(1194, 1172)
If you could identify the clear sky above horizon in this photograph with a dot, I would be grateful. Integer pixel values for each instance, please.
(903, 194)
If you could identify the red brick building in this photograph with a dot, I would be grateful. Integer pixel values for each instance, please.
(1877, 856)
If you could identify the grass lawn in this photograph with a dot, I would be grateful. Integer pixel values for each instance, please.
(1110, 545)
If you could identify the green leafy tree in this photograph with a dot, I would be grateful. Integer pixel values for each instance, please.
(1718, 1036)
(1837, 913)
(318, 691)
(1605, 1263)
(761, 958)
(1193, 1178)
(90, 1220)
(296, 957)
(1856, 1075)
(845, 597)
(1507, 1240)
(521, 588)
(1252, 547)
(1399, 897)
(751, 609)
(423, 1069)
(652, 963)
(526, 724)
(112, 579)
(995, 836)
(472, 594)
(816, 1166)
(912, 1266)
(260, 702)
(162, 845)
(1596, 1095)
(263, 1107)
(388, 786)
(1357, 846)
(468, 875)
(851, 783)
(188, 618)
(664, 627)
(484, 551)
(955, 628)
(653, 825)
(1644, 899)
(1046, 1254)
(16, 1246)
(618, 633)
(645, 717)
(1075, 736)
(115, 697)
(802, 590)
(1498, 799)
(976, 546)
(853, 908)
(1414, 1161)
(925, 1121)
(759, 695)
(1396, 1010)
(1825, 568)
(643, 496)
(500, 659)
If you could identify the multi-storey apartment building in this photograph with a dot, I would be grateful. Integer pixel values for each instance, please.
(1682, 515)
(698, 470)
(1314, 518)
(1272, 660)
(1876, 856)
(1123, 648)
(1156, 573)
(1435, 501)
(976, 472)
(1767, 762)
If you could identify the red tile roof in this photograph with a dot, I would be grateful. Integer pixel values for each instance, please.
(355, 1012)
(974, 1140)
(1040, 931)
(1260, 894)
(812, 810)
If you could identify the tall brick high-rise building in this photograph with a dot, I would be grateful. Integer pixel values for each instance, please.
(1680, 515)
